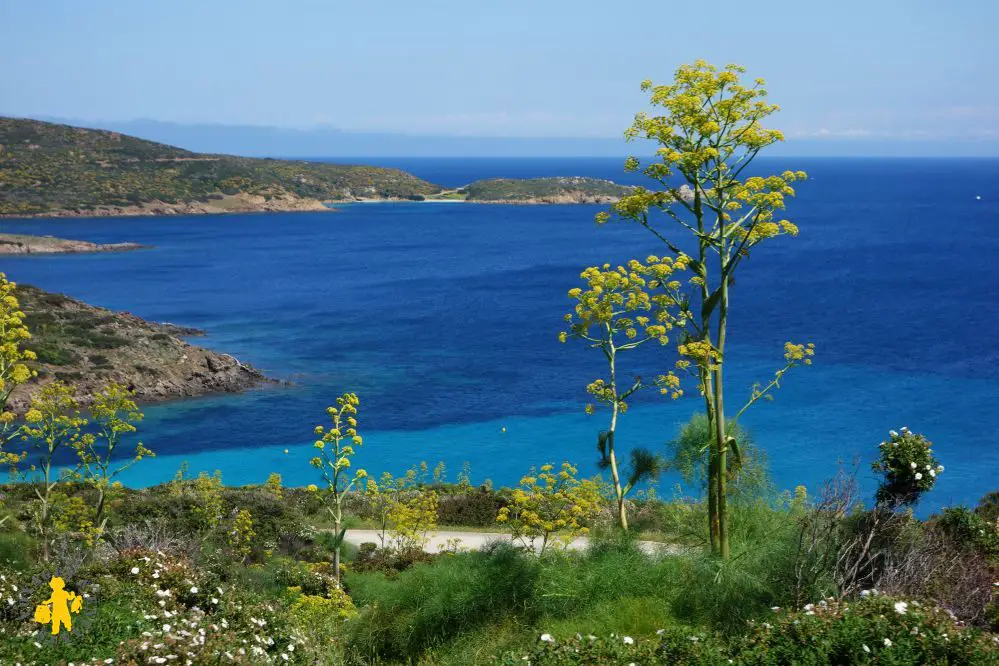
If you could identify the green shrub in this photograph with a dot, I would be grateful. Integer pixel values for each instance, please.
(477, 508)
(431, 603)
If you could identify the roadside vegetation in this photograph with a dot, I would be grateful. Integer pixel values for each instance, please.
(730, 570)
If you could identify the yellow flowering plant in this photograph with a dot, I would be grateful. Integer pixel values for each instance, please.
(621, 309)
(709, 127)
(114, 413)
(550, 509)
(412, 520)
(14, 369)
(335, 445)
(52, 423)
(241, 534)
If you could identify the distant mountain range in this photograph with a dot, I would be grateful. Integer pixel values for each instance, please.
(325, 141)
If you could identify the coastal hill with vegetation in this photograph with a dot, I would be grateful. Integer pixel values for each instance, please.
(50, 169)
(47, 169)
(556, 190)
(86, 347)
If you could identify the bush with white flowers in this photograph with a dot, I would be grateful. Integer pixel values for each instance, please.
(908, 466)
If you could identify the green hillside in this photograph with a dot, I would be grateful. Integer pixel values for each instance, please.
(50, 168)
(546, 190)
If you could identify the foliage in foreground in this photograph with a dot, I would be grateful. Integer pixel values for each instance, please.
(872, 630)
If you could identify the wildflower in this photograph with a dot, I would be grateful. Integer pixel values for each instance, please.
(166, 627)
(135, 570)
(547, 638)
(628, 640)
(901, 607)
(866, 649)
(194, 590)
(918, 476)
(933, 472)
(893, 433)
(777, 608)
(912, 465)
(887, 642)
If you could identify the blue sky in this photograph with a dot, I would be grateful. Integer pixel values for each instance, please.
(878, 70)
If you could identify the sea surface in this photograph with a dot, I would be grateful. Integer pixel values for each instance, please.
(443, 317)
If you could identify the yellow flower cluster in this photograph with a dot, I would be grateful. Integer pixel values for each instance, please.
(13, 361)
(640, 301)
(799, 353)
(550, 509)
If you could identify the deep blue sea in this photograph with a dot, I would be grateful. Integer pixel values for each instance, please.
(443, 318)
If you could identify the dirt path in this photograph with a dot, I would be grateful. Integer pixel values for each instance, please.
(477, 540)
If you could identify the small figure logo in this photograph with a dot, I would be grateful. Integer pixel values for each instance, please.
(57, 608)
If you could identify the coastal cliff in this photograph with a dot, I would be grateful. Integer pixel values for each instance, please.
(86, 347)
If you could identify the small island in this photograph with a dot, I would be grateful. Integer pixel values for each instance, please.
(26, 244)
(86, 347)
(552, 190)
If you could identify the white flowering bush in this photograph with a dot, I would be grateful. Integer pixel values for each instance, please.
(874, 629)
(908, 467)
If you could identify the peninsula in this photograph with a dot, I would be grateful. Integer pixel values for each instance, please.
(55, 170)
(52, 170)
(86, 347)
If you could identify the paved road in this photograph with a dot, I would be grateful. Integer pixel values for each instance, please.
(477, 540)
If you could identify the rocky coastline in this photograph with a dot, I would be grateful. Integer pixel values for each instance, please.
(87, 347)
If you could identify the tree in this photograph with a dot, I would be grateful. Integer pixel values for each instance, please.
(52, 423)
(710, 131)
(13, 366)
(619, 310)
(114, 414)
(336, 446)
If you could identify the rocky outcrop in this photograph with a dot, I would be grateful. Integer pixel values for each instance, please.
(88, 347)
(24, 244)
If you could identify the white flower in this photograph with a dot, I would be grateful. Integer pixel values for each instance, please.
(882, 443)
(215, 600)
(194, 590)
(887, 642)
(901, 607)
(939, 468)
(929, 467)
(775, 608)
(628, 640)
(918, 476)
(135, 570)
(865, 593)
(809, 607)
(912, 465)
(893, 433)
(547, 638)
(905, 428)
(866, 649)
(933, 472)
(660, 632)
(166, 627)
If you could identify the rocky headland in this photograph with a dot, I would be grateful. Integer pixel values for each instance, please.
(87, 347)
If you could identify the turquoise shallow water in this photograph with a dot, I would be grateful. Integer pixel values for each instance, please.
(443, 318)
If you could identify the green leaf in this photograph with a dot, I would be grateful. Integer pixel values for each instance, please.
(711, 303)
